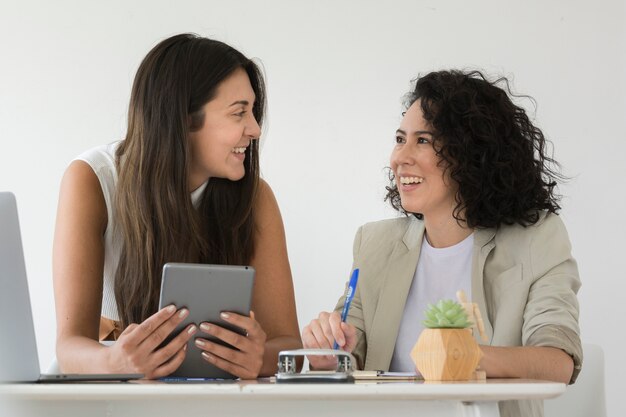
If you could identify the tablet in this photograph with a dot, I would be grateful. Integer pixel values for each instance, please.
(206, 291)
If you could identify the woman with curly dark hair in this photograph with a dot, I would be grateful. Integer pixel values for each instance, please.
(472, 175)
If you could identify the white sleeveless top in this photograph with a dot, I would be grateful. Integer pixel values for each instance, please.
(102, 161)
(440, 273)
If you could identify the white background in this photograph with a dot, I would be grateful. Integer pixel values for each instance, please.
(336, 72)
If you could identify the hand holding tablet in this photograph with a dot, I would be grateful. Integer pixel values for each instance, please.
(242, 356)
(141, 349)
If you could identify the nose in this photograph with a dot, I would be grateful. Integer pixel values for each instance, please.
(253, 130)
(402, 155)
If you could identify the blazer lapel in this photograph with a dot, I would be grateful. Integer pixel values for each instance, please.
(400, 269)
(483, 245)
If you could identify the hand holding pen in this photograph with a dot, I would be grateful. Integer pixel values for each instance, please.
(348, 301)
(327, 329)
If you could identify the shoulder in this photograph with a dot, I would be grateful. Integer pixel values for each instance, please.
(80, 176)
(267, 212)
(541, 245)
(100, 157)
(101, 160)
(549, 228)
(81, 193)
(388, 229)
(264, 191)
(91, 178)
(381, 236)
(265, 198)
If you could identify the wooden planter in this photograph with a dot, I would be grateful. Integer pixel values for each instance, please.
(446, 354)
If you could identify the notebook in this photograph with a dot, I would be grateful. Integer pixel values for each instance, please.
(18, 350)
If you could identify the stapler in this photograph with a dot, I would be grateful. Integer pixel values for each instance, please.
(287, 371)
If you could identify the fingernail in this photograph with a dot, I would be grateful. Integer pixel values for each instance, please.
(170, 308)
(207, 356)
(205, 327)
(185, 348)
(224, 315)
(182, 313)
(191, 329)
(200, 342)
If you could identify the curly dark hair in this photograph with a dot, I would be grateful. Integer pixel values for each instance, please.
(490, 148)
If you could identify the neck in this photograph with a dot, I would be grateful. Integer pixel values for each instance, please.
(445, 232)
(196, 181)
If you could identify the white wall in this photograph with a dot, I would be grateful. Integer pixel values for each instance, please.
(336, 71)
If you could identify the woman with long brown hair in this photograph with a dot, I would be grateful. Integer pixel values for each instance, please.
(183, 186)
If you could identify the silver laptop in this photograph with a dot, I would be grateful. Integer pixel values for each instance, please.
(18, 349)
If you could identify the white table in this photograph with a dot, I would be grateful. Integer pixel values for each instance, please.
(259, 398)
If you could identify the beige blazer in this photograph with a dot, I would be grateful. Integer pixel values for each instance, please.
(524, 280)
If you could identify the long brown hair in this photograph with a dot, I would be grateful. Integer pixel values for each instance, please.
(155, 217)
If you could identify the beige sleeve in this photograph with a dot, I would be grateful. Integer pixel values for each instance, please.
(552, 310)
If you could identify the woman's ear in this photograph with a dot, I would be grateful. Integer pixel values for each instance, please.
(195, 121)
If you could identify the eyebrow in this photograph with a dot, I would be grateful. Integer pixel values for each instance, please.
(416, 133)
(240, 102)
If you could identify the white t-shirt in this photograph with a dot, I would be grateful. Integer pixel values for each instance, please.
(102, 161)
(440, 273)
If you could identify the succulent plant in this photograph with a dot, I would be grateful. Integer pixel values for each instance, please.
(446, 314)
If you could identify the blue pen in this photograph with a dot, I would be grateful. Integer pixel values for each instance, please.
(346, 305)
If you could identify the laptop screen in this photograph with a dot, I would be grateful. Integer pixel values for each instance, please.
(18, 351)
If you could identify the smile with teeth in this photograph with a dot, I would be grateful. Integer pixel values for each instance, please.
(240, 150)
(411, 180)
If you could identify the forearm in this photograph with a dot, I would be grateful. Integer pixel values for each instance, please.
(530, 362)
(273, 347)
(79, 354)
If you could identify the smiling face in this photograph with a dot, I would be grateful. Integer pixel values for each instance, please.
(423, 186)
(218, 147)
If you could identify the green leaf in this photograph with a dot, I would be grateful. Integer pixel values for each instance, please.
(446, 314)
(444, 322)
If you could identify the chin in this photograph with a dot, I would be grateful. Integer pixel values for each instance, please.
(410, 208)
(236, 177)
